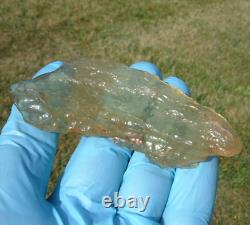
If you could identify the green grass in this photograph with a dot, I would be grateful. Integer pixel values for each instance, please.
(205, 42)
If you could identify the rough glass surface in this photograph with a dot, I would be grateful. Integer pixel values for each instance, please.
(136, 109)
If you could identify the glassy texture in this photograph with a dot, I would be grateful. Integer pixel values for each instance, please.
(136, 109)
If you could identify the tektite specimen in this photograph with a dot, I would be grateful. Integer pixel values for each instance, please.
(136, 109)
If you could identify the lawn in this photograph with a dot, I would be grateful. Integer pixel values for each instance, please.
(206, 43)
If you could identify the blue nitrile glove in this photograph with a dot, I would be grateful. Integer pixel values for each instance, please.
(147, 66)
(96, 169)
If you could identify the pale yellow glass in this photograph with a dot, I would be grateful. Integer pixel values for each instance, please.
(136, 109)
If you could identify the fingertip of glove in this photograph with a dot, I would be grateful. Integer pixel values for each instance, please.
(179, 84)
(50, 67)
(148, 67)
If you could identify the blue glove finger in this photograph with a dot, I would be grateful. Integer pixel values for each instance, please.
(95, 170)
(148, 67)
(26, 158)
(143, 178)
(179, 84)
(192, 195)
(193, 191)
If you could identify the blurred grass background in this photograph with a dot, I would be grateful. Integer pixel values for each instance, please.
(206, 43)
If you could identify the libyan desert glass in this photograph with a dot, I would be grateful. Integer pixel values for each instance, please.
(136, 109)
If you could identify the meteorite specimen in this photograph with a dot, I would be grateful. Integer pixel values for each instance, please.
(136, 109)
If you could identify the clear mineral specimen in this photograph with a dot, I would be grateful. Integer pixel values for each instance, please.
(136, 109)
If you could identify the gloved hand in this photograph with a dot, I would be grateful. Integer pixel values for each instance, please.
(97, 168)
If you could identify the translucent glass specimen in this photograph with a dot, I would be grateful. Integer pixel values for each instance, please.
(136, 109)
